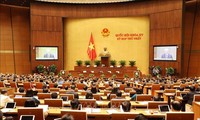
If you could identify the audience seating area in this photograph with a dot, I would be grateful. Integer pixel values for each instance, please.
(100, 107)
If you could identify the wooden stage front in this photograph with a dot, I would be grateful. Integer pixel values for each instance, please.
(120, 72)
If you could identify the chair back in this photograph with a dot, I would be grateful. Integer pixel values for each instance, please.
(44, 95)
(178, 93)
(122, 86)
(154, 87)
(179, 116)
(97, 96)
(70, 96)
(38, 112)
(13, 85)
(2, 84)
(21, 94)
(77, 114)
(27, 85)
(38, 85)
(51, 85)
(197, 98)
(54, 89)
(53, 102)
(61, 91)
(115, 103)
(112, 96)
(66, 84)
(143, 97)
(80, 86)
(128, 90)
(21, 101)
(123, 116)
(154, 104)
(90, 103)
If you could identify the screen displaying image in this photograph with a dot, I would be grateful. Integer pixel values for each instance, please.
(165, 53)
(46, 53)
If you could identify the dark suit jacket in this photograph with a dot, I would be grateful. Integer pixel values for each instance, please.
(188, 98)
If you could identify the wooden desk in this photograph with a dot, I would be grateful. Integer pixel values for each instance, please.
(196, 110)
(55, 112)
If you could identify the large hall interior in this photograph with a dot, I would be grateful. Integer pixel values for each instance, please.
(100, 59)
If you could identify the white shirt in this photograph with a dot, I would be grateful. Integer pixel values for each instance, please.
(4, 99)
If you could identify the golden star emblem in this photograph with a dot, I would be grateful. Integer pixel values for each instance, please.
(91, 46)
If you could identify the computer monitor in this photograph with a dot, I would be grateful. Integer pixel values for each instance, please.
(164, 108)
(10, 105)
(27, 117)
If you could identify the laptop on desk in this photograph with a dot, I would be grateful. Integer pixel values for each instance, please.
(10, 105)
(164, 108)
(27, 117)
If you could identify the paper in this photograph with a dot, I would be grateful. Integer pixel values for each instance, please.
(111, 111)
(96, 110)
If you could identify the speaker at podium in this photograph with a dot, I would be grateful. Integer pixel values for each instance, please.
(105, 55)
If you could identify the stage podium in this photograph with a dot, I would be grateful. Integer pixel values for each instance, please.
(105, 61)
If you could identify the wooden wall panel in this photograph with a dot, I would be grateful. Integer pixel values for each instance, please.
(14, 40)
(166, 29)
(191, 41)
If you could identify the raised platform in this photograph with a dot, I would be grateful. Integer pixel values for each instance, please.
(120, 72)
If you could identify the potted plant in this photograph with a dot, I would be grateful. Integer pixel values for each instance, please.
(132, 63)
(81, 75)
(97, 62)
(102, 76)
(91, 75)
(52, 68)
(126, 76)
(156, 70)
(122, 62)
(40, 68)
(79, 62)
(87, 63)
(114, 76)
(113, 62)
(170, 71)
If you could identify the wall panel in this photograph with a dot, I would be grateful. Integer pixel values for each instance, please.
(14, 39)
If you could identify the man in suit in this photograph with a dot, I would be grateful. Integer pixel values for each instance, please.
(48, 55)
(188, 99)
(167, 55)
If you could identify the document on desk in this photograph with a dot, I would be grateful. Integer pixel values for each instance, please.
(4, 110)
(44, 107)
(96, 110)
(111, 111)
